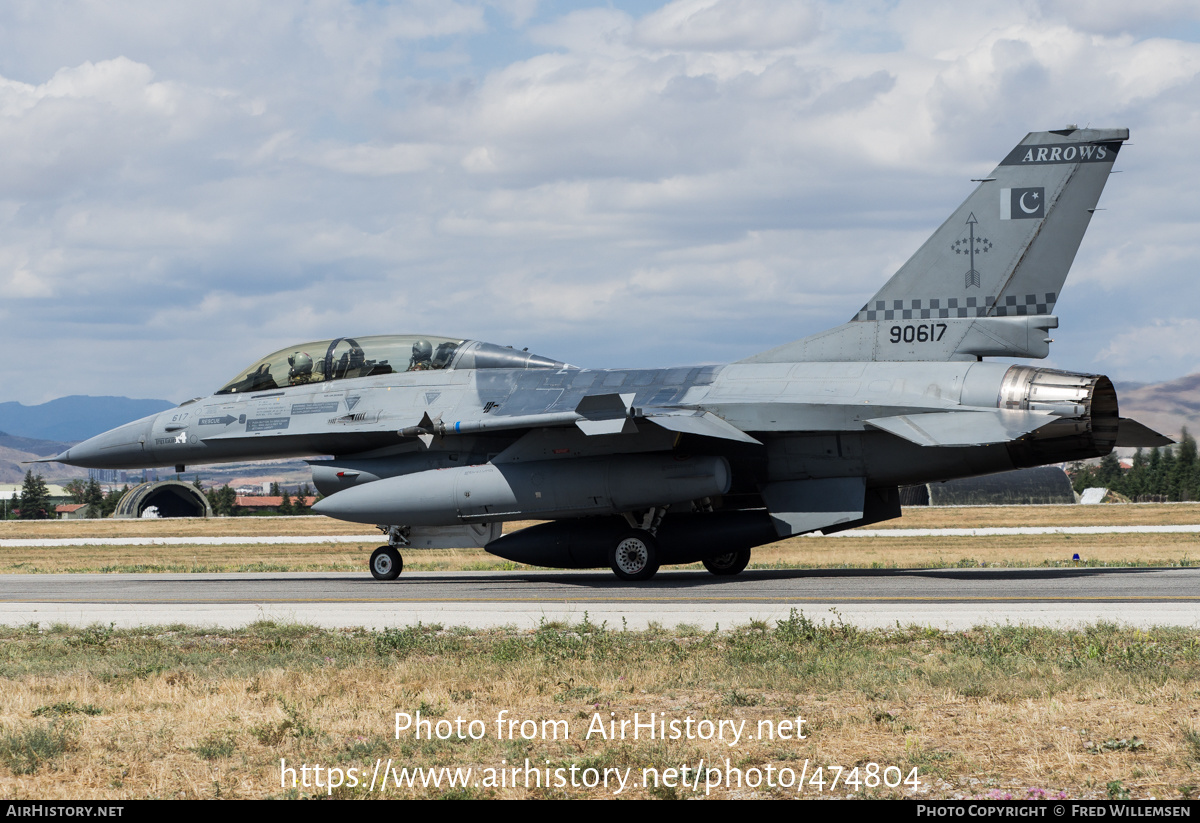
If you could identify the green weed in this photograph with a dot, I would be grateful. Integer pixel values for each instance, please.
(25, 750)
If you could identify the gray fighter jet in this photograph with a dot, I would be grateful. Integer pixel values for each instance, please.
(438, 440)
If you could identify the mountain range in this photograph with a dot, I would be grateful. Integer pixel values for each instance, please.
(73, 418)
(1165, 407)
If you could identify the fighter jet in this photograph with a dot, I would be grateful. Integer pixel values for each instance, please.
(438, 441)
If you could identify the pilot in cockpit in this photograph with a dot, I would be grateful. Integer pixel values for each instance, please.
(422, 354)
(300, 366)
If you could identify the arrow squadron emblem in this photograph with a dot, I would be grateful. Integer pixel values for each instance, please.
(971, 245)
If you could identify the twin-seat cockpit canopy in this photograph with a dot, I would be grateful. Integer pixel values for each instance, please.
(345, 358)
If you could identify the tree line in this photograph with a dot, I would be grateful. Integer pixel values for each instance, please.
(223, 500)
(34, 503)
(1166, 474)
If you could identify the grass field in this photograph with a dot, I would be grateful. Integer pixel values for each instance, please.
(801, 552)
(992, 712)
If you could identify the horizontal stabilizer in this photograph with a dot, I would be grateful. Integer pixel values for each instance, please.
(1134, 435)
(702, 423)
(962, 428)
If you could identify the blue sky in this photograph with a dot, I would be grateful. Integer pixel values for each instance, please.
(185, 187)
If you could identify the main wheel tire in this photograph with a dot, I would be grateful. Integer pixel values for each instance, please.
(634, 557)
(386, 563)
(727, 565)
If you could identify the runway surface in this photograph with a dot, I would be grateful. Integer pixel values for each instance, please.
(943, 598)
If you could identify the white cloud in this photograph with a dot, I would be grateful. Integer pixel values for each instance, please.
(729, 24)
(587, 31)
(380, 160)
(1118, 16)
(22, 282)
(698, 181)
(1156, 351)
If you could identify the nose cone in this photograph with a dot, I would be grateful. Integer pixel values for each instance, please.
(122, 448)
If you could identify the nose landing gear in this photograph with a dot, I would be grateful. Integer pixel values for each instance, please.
(386, 563)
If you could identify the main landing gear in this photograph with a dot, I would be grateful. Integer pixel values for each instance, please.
(634, 556)
(727, 565)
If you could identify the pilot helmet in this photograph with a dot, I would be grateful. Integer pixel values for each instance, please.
(301, 364)
(422, 351)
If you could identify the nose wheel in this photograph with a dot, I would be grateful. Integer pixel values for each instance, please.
(386, 563)
(635, 556)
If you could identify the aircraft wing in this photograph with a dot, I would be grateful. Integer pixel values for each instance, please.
(594, 415)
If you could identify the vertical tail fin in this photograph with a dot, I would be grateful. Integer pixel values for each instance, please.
(987, 280)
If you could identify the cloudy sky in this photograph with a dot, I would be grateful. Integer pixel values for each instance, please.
(185, 187)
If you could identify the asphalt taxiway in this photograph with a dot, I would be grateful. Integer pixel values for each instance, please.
(941, 598)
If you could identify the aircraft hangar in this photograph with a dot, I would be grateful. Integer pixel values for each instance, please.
(171, 498)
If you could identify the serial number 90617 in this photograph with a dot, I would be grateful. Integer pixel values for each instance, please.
(919, 333)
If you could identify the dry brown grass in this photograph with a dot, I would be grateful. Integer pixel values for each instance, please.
(195, 715)
(183, 527)
(340, 555)
(1008, 550)
(967, 517)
